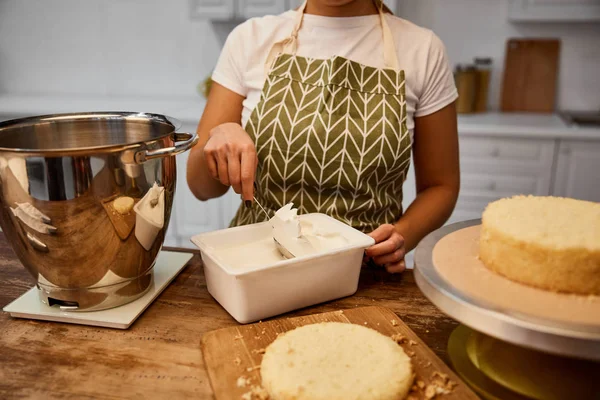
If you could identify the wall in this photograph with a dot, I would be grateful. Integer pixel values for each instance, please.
(109, 47)
(472, 28)
(153, 48)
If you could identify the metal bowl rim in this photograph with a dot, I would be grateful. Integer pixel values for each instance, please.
(157, 118)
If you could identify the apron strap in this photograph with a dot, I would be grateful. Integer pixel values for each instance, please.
(289, 45)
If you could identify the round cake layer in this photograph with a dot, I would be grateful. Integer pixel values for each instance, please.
(335, 361)
(548, 242)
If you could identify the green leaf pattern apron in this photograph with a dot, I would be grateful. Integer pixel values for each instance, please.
(331, 136)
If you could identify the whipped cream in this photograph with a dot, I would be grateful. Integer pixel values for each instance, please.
(302, 238)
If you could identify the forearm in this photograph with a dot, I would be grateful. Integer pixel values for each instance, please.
(200, 181)
(430, 210)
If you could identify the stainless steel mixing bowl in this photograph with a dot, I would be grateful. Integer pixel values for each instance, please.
(60, 176)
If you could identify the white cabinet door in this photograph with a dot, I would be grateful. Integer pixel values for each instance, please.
(578, 170)
(392, 5)
(258, 8)
(216, 10)
(554, 10)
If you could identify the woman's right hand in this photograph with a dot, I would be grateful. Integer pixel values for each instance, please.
(231, 159)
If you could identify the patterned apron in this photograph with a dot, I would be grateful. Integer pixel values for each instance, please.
(331, 136)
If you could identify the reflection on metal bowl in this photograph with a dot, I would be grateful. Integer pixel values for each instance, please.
(59, 178)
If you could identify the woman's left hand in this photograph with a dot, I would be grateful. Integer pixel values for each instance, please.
(389, 250)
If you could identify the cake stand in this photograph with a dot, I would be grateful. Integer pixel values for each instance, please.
(487, 327)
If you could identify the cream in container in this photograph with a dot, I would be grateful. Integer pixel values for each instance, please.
(250, 278)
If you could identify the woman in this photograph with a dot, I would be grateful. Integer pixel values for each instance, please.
(321, 107)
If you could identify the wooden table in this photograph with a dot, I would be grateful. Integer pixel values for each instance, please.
(159, 356)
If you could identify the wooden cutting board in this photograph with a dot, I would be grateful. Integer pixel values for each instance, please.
(236, 352)
(530, 75)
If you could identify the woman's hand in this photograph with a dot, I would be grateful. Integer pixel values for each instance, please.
(231, 158)
(389, 250)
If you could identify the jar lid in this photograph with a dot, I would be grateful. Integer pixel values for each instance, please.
(483, 60)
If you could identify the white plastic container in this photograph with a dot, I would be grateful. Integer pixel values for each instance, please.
(278, 286)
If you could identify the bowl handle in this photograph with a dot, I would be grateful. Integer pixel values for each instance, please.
(183, 142)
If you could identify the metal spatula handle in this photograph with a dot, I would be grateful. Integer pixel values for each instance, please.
(284, 252)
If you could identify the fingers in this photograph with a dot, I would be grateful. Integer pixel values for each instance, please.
(231, 158)
(389, 250)
(391, 244)
(391, 257)
(385, 244)
(234, 172)
(211, 163)
(382, 233)
(248, 173)
(396, 268)
(222, 167)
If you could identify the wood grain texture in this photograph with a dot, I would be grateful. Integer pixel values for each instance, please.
(159, 356)
(236, 352)
(123, 224)
(530, 75)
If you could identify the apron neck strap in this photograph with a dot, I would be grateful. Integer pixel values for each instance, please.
(289, 45)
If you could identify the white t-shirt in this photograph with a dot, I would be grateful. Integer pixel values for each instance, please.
(429, 80)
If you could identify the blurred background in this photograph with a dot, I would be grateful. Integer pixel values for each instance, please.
(529, 107)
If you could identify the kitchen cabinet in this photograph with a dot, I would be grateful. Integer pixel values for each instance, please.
(227, 10)
(578, 170)
(258, 8)
(217, 10)
(554, 10)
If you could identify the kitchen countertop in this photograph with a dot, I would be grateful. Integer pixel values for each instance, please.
(189, 110)
(529, 125)
(159, 355)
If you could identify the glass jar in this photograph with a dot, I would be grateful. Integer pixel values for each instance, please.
(465, 77)
(484, 72)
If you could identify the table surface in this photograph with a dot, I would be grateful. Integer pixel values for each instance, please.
(159, 355)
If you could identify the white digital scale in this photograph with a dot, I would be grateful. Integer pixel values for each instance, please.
(168, 265)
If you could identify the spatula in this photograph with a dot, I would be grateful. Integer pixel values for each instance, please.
(284, 252)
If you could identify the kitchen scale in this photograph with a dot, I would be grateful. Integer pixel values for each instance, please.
(167, 266)
(516, 342)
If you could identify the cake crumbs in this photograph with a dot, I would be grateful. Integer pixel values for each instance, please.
(256, 393)
(399, 338)
(410, 353)
(412, 342)
(237, 361)
(250, 369)
(428, 364)
(339, 312)
(238, 337)
(257, 337)
(430, 392)
(394, 322)
(263, 332)
(420, 384)
(365, 322)
(258, 351)
(242, 381)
